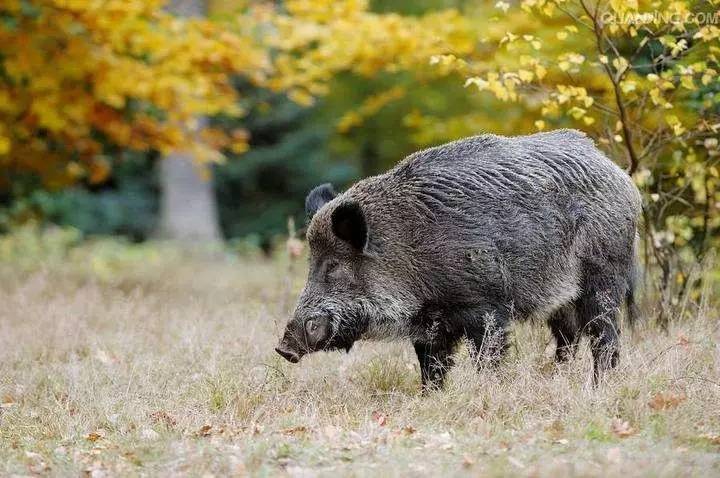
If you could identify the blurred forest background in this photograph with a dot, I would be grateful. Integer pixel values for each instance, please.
(206, 120)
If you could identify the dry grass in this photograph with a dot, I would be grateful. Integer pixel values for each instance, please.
(165, 366)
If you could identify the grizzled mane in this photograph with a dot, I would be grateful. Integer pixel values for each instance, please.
(506, 162)
(504, 168)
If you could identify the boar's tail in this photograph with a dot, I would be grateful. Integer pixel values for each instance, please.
(632, 309)
(632, 276)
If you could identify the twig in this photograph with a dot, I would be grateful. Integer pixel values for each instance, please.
(615, 80)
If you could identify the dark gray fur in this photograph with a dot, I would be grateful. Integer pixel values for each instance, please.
(459, 240)
(317, 198)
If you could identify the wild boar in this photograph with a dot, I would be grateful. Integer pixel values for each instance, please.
(461, 239)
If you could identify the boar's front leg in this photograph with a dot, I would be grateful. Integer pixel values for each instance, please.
(435, 360)
(486, 331)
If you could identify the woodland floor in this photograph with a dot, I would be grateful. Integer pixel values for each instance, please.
(151, 362)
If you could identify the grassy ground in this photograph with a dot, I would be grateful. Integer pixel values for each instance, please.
(152, 362)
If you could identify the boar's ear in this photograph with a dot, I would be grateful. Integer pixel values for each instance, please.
(317, 198)
(348, 223)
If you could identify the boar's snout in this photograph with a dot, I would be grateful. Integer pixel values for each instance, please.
(290, 349)
(303, 336)
(288, 355)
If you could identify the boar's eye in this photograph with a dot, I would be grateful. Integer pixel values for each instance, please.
(310, 327)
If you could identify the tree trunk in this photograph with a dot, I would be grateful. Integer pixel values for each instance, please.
(188, 210)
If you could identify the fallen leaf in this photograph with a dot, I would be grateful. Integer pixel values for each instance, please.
(622, 428)
(96, 435)
(205, 431)
(407, 430)
(666, 401)
(555, 430)
(7, 402)
(163, 417)
(379, 418)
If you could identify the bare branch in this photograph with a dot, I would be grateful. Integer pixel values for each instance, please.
(600, 38)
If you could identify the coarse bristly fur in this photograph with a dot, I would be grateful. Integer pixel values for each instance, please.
(461, 239)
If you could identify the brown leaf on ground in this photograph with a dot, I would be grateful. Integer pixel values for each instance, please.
(96, 435)
(205, 431)
(622, 428)
(555, 430)
(7, 402)
(667, 400)
(379, 418)
(163, 418)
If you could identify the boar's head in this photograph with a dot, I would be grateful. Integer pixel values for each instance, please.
(351, 289)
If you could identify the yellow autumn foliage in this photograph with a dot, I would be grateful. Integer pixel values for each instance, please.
(317, 39)
(78, 74)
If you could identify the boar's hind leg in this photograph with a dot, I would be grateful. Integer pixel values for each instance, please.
(563, 325)
(597, 310)
(435, 360)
